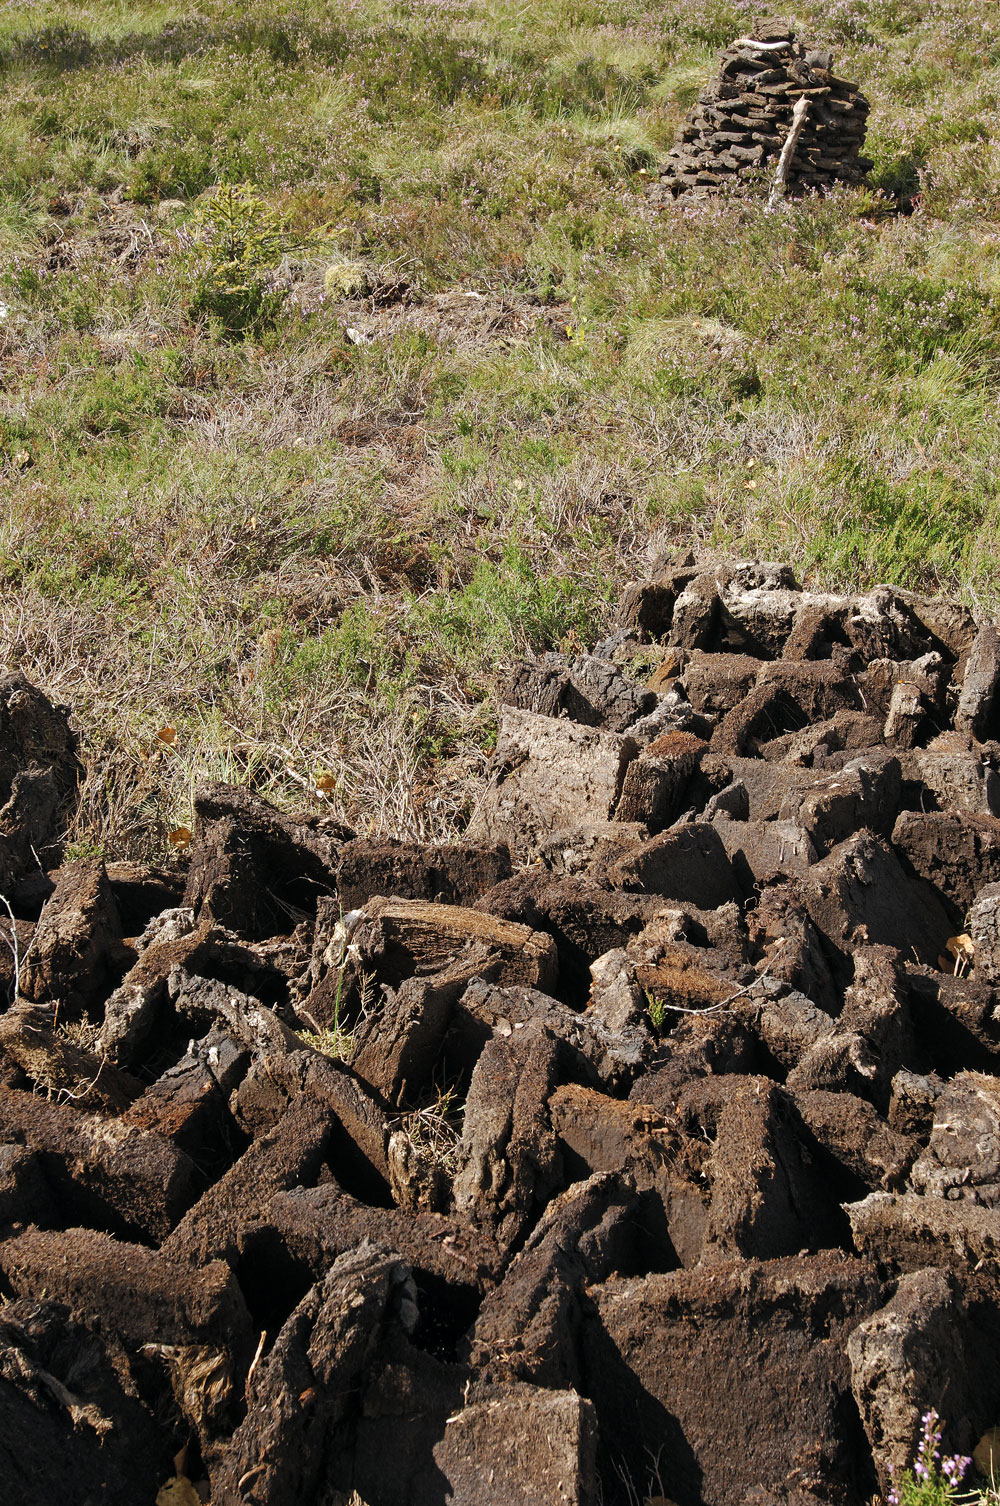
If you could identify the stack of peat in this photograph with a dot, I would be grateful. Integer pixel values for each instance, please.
(740, 122)
(714, 983)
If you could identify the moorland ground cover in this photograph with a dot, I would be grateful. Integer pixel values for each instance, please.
(280, 502)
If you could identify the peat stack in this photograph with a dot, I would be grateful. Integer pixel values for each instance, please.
(740, 123)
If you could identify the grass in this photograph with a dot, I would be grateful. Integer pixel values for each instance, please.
(434, 1131)
(310, 531)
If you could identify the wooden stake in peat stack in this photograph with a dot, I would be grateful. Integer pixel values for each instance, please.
(787, 153)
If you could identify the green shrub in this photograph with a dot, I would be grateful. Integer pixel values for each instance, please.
(240, 240)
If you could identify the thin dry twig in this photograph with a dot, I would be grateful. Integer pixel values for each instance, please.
(15, 948)
(255, 1362)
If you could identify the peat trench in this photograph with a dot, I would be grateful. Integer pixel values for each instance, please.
(715, 974)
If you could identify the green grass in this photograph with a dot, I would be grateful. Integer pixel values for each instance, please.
(310, 533)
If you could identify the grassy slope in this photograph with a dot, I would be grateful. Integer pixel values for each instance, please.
(310, 555)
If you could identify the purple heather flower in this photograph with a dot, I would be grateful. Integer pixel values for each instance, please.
(954, 1468)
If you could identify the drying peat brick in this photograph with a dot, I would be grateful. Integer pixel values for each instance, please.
(103, 1172)
(290, 1155)
(398, 1043)
(483, 1010)
(907, 1232)
(786, 697)
(764, 787)
(818, 745)
(205, 1002)
(25, 1196)
(865, 793)
(762, 852)
(664, 1165)
(756, 618)
(689, 864)
(183, 1341)
(55, 1063)
(454, 875)
(656, 783)
(428, 1428)
(588, 690)
(951, 627)
(773, 1337)
(589, 845)
(876, 1011)
(249, 861)
(301, 1392)
(920, 1344)
(550, 774)
(356, 1119)
(130, 1293)
(400, 1039)
(954, 1017)
(398, 938)
(343, 1401)
(881, 625)
(701, 1044)
(959, 854)
(962, 1159)
(957, 775)
(75, 942)
(34, 733)
(646, 607)
(911, 1108)
(856, 1138)
(739, 605)
(509, 1159)
(767, 1198)
(704, 1006)
(140, 1007)
(39, 770)
(528, 1326)
(984, 928)
(531, 1444)
(716, 683)
(142, 891)
(189, 1103)
(862, 892)
(681, 977)
(978, 710)
(584, 918)
(319, 1224)
(69, 1428)
(791, 818)
(788, 946)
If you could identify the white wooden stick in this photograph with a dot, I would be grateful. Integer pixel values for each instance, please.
(760, 46)
(788, 152)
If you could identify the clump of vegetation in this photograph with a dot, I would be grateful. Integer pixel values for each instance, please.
(334, 1041)
(435, 1130)
(656, 1010)
(933, 1479)
(346, 279)
(239, 240)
